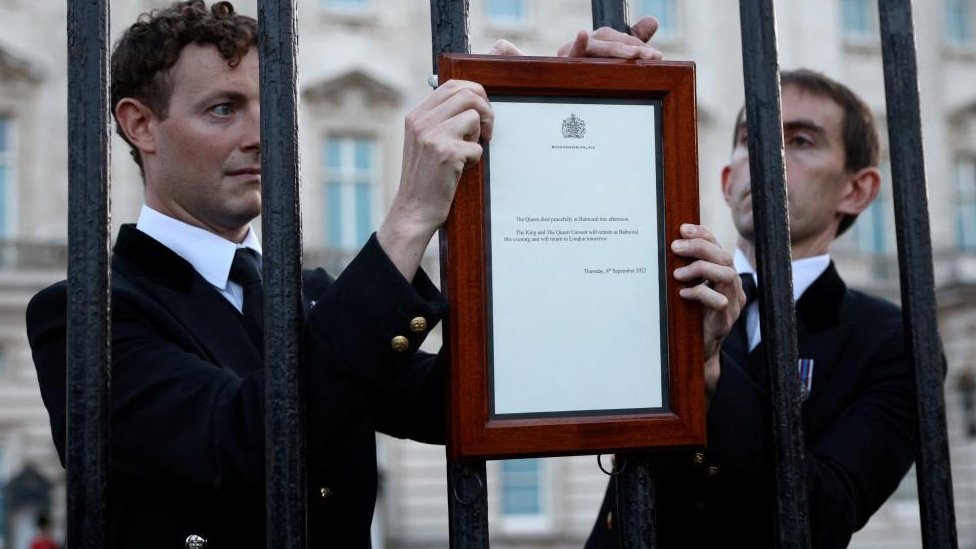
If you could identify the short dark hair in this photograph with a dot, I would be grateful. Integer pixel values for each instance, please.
(149, 48)
(860, 133)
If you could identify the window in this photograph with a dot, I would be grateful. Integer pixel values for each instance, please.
(6, 170)
(507, 12)
(666, 13)
(345, 5)
(958, 21)
(523, 505)
(350, 180)
(869, 230)
(965, 184)
(858, 19)
(874, 227)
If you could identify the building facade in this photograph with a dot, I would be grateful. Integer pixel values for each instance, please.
(363, 65)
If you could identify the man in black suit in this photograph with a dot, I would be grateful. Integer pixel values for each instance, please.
(187, 421)
(859, 398)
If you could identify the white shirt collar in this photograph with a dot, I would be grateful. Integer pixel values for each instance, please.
(805, 271)
(209, 254)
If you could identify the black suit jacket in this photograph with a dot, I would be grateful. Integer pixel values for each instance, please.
(187, 403)
(858, 421)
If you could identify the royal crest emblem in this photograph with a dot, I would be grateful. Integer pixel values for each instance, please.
(574, 127)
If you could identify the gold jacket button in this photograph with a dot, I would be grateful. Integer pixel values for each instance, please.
(418, 324)
(400, 344)
(610, 520)
(697, 458)
(325, 491)
(711, 472)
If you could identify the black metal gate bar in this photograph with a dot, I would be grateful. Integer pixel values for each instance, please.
(88, 329)
(915, 270)
(467, 504)
(635, 513)
(282, 270)
(635, 510)
(769, 205)
(449, 32)
(610, 13)
(467, 481)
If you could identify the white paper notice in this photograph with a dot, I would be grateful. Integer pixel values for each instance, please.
(574, 257)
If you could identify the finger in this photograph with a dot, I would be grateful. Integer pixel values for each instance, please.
(580, 44)
(457, 139)
(470, 105)
(504, 47)
(447, 90)
(464, 126)
(699, 248)
(644, 51)
(690, 230)
(706, 296)
(487, 124)
(716, 274)
(471, 152)
(606, 48)
(464, 151)
(651, 54)
(470, 96)
(619, 50)
(609, 34)
(461, 100)
(645, 28)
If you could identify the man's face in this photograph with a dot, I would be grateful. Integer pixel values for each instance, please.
(817, 182)
(205, 166)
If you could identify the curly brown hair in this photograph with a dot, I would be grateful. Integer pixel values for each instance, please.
(146, 52)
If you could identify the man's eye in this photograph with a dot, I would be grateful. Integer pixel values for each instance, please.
(224, 109)
(800, 141)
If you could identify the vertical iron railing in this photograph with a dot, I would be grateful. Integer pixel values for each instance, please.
(915, 270)
(636, 506)
(282, 270)
(467, 482)
(449, 28)
(88, 330)
(764, 118)
(635, 509)
(610, 13)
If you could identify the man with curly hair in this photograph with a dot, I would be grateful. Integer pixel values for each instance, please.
(187, 422)
(187, 409)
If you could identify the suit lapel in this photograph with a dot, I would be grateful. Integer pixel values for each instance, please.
(819, 334)
(207, 318)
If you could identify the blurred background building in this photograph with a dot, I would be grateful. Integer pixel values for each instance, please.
(363, 65)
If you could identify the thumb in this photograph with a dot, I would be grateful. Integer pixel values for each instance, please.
(576, 48)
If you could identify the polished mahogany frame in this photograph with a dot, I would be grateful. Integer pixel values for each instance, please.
(473, 431)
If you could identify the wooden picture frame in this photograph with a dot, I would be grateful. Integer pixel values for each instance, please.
(502, 407)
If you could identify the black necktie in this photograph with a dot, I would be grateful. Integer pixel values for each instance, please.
(246, 271)
(749, 287)
(737, 343)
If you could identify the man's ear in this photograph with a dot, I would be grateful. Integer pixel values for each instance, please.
(138, 122)
(726, 188)
(861, 190)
